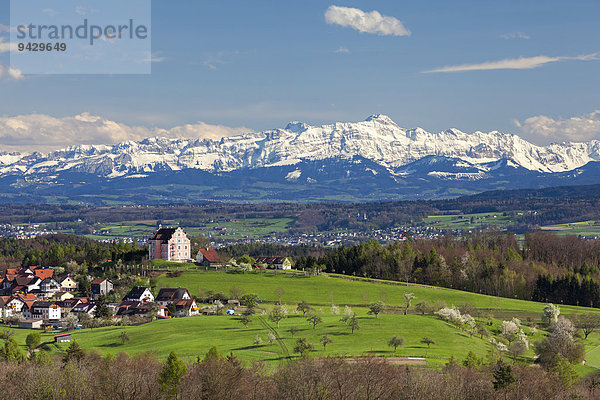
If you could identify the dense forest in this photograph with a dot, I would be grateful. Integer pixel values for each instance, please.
(545, 206)
(58, 250)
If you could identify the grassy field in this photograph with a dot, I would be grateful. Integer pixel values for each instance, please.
(470, 221)
(194, 336)
(235, 229)
(331, 288)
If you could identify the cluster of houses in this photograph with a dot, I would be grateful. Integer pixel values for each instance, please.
(37, 281)
(37, 300)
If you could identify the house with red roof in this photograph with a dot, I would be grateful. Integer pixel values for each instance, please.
(208, 257)
(44, 273)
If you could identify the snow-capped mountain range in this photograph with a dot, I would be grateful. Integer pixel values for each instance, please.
(373, 159)
(377, 138)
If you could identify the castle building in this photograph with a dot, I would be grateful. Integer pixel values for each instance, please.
(171, 244)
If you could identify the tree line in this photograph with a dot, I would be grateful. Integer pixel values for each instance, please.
(547, 267)
(58, 250)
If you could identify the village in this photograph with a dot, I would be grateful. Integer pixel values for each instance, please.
(40, 298)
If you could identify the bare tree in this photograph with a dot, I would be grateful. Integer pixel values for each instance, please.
(408, 297)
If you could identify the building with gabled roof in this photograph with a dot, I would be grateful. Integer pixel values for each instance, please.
(10, 305)
(185, 308)
(88, 308)
(100, 287)
(170, 295)
(49, 285)
(139, 293)
(45, 310)
(171, 244)
(208, 257)
(68, 284)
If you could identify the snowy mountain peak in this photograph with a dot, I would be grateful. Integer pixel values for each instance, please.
(378, 139)
(296, 126)
(381, 118)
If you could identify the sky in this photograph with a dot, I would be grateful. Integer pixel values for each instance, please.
(226, 67)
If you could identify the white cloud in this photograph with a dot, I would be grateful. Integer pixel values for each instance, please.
(214, 60)
(342, 50)
(7, 28)
(7, 46)
(16, 74)
(38, 132)
(515, 35)
(49, 11)
(155, 58)
(366, 22)
(577, 129)
(11, 73)
(209, 65)
(512, 63)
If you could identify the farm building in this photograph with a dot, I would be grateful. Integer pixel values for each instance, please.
(63, 338)
(31, 323)
(208, 257)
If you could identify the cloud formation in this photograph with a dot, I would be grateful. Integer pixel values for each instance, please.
(515, 35)
(11, 73)
(38, 132)
(7, 46)
(342, 50)
(575, 129)
(511, 63)
(366, 22)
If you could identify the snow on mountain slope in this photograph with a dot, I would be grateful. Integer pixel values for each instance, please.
(377, 138)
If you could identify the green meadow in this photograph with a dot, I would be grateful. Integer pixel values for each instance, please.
(328, 289)
(194, 336)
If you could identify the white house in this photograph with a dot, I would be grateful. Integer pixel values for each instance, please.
(139, 293)
(186, 308)
(45, 310)
(171, 295)
(10, 306)
(88, 308)
(50, 285)
(68, 284)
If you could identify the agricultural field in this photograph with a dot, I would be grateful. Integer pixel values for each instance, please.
(235, 229)
(471, 221)
(584, 228)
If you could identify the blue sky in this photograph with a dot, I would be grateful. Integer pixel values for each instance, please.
(259, 64)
